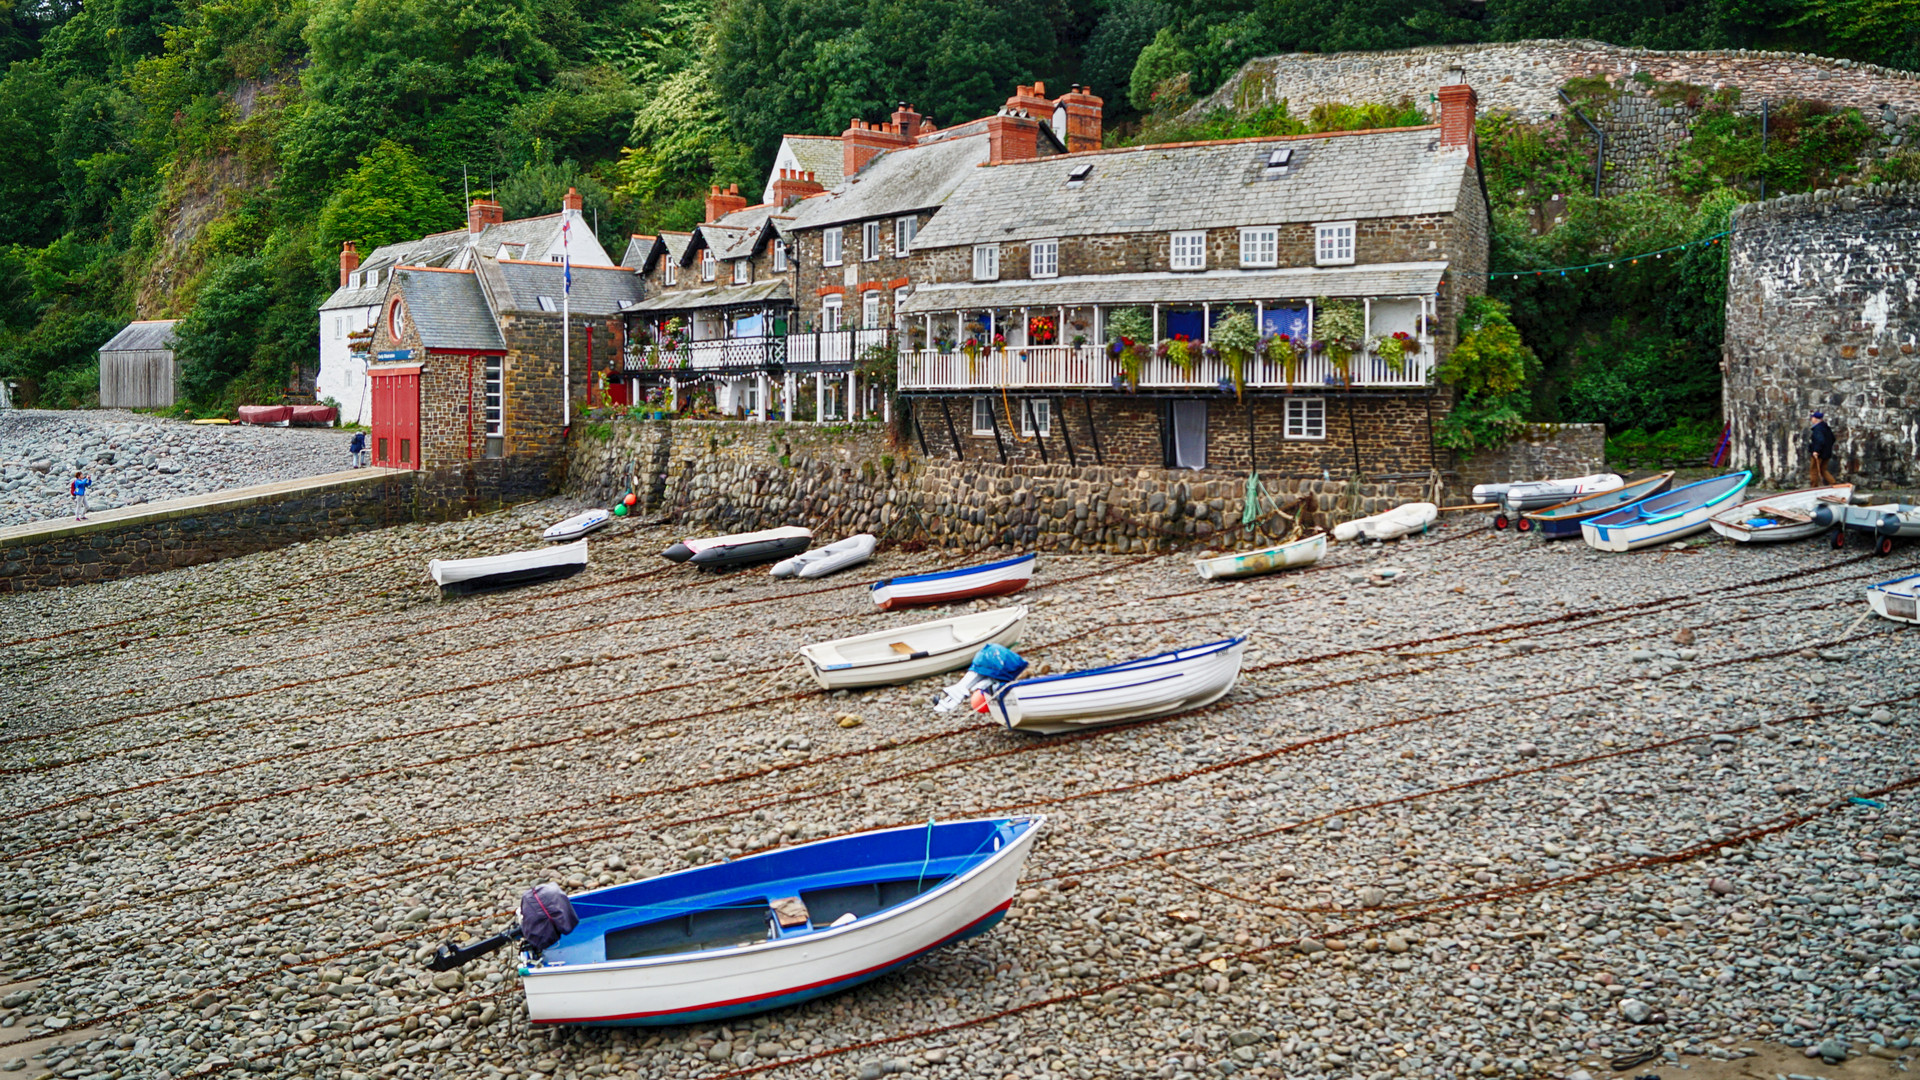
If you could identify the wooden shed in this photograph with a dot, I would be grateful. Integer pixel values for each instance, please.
(136, 366)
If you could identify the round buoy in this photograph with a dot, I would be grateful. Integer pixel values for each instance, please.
(631, 499)
(619, 509)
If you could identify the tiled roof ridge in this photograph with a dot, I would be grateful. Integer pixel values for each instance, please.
(1105, 150)
(549, 262)
(432, 269)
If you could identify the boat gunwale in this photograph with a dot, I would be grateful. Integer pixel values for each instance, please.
(948, 574)
(1210, 648)
(1745, 477)
(1549, 513)
(1022, 609)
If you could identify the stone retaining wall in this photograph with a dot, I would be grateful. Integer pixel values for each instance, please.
(721, 476)
(187, 532)
(1822, 314)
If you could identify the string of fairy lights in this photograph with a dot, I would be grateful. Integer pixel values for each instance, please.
(1614, 263)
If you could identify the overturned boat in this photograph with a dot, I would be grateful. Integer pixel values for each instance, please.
(512, 568)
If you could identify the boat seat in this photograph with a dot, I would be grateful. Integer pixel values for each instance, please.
(787, 916)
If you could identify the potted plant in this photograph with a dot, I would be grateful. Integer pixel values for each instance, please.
(1079, 340)
(1128, 329)
(1342, 326)
(1041, 330)
(1280, 349)
(1178, 352)
(1392, 349)
(1235, 340)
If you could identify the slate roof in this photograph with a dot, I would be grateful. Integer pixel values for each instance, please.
(719, 296)
(822, 155)
(1374, 279)
(736, 234)
(1204, 185)
(897, 182)
(533, 232)
(436, 249)
(448, 308)
(637, 247)
(597, 290)
(147, 335)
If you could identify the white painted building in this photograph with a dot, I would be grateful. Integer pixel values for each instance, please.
(355, 305)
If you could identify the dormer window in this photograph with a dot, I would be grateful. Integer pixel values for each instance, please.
(742, 272)
(669, 271)
(547, 304)
(779, 256)
(1079, 173)
(706, 265)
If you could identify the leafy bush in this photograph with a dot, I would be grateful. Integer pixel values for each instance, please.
(1490, 367)
(1691, 441)
(1274, 120)
(1627, 382)
(1808, 145)
(217, 342)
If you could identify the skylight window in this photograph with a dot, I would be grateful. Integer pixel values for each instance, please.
(1280, 158)
(1079, 174)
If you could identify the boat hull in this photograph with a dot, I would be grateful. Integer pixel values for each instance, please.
(1562, 522)
(1895, 520)
(754, 551)
(1538, 495)
(1392, 525)
(690, 550)
(1896, 599)
(512, 568)
(1734, 523)
(1664, 519)
(846, 664)
(830, 559)
(577, 526)
(739, 980)
(1264, 561)
(994, 579)
(1142, 689)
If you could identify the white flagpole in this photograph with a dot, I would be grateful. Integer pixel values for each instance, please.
(566, 319)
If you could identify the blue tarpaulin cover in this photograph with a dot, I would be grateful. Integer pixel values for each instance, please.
(997, 662)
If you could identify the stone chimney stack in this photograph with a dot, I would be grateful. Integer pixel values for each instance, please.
(1083, 118)
(571, 201)
(721, 203)
(794, 185)
(906, 121)
(1013, 133)
(349, 261)
(1458, 107)
(482, 213)
(862, 142)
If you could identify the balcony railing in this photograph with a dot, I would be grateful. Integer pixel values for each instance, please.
(1089, 366)
(749, 354)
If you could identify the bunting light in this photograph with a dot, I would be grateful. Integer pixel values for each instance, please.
(1629, 260)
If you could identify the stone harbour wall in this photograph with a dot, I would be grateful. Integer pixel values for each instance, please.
(1542, 452)
(1823, 313)
(727, 476)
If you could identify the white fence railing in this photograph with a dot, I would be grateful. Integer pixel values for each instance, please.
(1050, 366)
(831, 347)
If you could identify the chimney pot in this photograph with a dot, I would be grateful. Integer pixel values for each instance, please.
(572, 201)
(1458, 107)
(349, 261)
(482, 213)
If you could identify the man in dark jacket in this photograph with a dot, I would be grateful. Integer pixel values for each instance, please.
(1820, 446)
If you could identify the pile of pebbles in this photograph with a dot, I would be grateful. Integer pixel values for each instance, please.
(133, 458)
(1517, 809)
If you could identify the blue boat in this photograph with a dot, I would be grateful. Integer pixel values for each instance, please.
(1562, 522)
(778, 928)
(1665, 518)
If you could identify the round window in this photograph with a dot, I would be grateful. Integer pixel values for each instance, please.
(397, 320)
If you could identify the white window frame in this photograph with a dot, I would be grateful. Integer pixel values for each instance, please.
(870, 309)
(1306, 419)
(1032, 409)
(707, 264)
(779, 256)
(742, 272)
(339, 327)
(1043, 259)
(986, 262)
(904, 230)
(669, 271)
(1334, 242)
(1187, 251)
(831, 303)
(494, 398)
(869, 241)
(831, 241)
(1260, 246)
(983, 407)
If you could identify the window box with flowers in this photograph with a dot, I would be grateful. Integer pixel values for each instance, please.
(1339, 330)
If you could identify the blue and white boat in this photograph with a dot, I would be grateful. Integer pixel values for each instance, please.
(778, 928)
(1562, 522)
(969, 583)
(1661, 520)
(578, 525)
(1898, 599)
(1152, 686)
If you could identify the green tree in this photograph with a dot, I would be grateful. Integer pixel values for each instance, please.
(219, 339)
(30, 191)
(1159, 61)
(390, 197)
(681, 142)
(539, 188)
(1490, 368)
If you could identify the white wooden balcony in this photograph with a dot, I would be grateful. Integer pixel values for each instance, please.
(1040, 367)
(827, 348)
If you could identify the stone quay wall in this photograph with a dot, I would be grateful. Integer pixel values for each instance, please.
(1822, 314)
(725, 476)
(203, 529)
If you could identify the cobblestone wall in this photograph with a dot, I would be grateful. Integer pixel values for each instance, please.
(1823, 313)
(1542, 452)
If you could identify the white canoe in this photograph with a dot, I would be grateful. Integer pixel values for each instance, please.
(513, 568)
(1278, 557)
(1898, 599)
(822, 561)
(1539, 494)
(1392, 525)
(971, 583)
(1772, 518)
(578, 525)
(708, 943)
(1664, 518)
(905, 653)
(1152, 686)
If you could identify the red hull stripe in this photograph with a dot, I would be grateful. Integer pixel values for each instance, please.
(998, 588)
(790, 990)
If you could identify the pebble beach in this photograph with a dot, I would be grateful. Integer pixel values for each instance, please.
(1480, 805)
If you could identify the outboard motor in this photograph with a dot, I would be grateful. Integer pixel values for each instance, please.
(992, 666)
(546, 916)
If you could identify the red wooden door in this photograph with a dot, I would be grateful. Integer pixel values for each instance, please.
(396, 417)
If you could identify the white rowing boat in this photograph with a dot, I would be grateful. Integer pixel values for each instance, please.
(1773, 518)
(1152, 686)
(832, 558)
(1898, 599)
(578, 525)
(911, 652)
(1664, 518)
(512, 568)
(1265, 560)
(971, 583)
(1392, 525)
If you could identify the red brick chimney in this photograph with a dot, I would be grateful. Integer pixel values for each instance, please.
(1458, 106)
(571, 200)
(794, 185)
(862, 142)
(721, 203)
(906, 121)
(1013, 133)
(349, 261)
(1083, 118)
(482, 213)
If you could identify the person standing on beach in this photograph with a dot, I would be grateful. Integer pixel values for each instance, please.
(1820, 442)
(78, 489)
